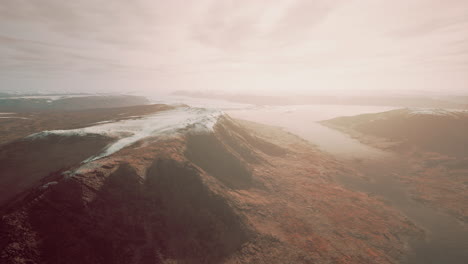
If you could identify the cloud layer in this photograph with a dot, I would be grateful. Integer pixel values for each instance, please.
(260, 46)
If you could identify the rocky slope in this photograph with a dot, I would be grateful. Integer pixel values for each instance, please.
(204, 189)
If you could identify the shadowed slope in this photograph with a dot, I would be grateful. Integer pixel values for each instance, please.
(225, 195)
(24, 163)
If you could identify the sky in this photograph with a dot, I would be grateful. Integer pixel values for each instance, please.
(281, 47)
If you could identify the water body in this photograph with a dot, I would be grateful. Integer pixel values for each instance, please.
(446, 239)
(302, 121)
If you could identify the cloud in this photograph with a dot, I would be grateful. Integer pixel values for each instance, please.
(301, 18)
(235, 44)
(234, 25)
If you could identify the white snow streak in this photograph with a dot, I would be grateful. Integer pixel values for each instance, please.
(132, 130)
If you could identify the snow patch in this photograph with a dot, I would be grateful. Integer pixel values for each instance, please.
(8, 115)
(13, 117)
(437, 112)
(129, 131)
(45, 186)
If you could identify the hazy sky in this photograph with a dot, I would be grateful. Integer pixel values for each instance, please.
(259, 46)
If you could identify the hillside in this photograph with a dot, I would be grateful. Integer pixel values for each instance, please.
(192, 186)
(435, 130)
(67, 103)
(17, 125)
(433, 141)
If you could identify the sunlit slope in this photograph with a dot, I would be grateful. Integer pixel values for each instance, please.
(436, 130)
(434, 144)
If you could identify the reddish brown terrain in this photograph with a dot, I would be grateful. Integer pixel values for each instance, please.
(434, 143)
(10, 103)
(241, 193)
(23, 161)
(17, 125)
(441, 181)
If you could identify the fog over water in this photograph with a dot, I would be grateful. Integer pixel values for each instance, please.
(302, 121)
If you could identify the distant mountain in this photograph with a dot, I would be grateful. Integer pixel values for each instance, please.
(398, 101)
(434, 144)
(68, 103)
(5, 95)
(438, 130)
